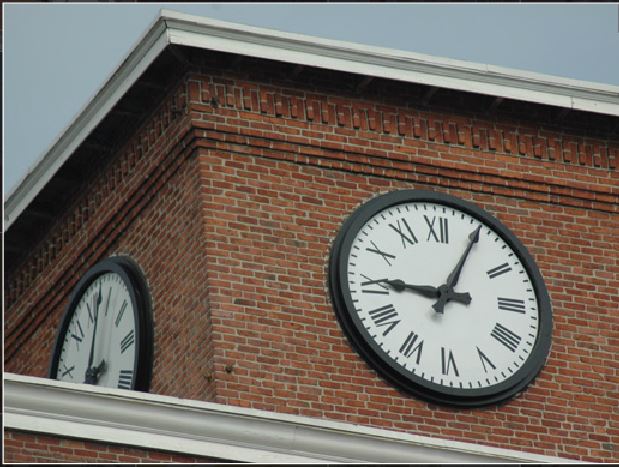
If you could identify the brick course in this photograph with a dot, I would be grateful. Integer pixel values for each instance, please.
(231, 208)
(20, 447)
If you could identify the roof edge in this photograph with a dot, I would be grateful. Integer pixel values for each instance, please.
(147, 48)
(291, 43)
(158, 422)
(171, 27)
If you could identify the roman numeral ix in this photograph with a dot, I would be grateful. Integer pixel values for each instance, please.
(383, 289)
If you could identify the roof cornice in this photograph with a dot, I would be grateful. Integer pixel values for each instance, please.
(147, 49)
(167, 423)
(173, 28)
(392, 64)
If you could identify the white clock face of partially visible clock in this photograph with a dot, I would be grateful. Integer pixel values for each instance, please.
(441, 298)
(101, 336)
(105, 336)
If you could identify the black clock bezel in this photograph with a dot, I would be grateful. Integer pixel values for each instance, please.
(371, 352)
(131, 274)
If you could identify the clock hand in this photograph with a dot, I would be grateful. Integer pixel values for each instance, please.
(448, 292)
(91, 373)
(428, 291)
(99, 370)
(425, 290)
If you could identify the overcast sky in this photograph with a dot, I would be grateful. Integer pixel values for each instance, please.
(56, 56)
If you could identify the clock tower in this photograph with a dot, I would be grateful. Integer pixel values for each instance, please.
(260, 246)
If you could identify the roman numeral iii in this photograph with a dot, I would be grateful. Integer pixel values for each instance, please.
(511, 304)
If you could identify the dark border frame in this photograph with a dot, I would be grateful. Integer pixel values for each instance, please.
(131, 274)
(367, 348)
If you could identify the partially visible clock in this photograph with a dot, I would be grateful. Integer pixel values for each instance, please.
(440, 298)
(106, 334)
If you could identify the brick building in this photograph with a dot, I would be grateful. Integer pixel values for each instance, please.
(223, 160)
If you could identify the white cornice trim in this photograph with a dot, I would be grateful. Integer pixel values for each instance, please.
(225, 432)
(206, 33)
(42, 171)
(187, 30)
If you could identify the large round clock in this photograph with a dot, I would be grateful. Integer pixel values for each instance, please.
(105, 337)
(440, 298)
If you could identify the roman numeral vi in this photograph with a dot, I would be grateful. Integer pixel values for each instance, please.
(448, 362)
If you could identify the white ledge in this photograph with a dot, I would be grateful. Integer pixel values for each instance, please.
(388, 63)
(173, 28)
(225, 432)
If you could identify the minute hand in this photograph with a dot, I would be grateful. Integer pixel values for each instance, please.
(91, 373)
(447, 289)
(427, 291)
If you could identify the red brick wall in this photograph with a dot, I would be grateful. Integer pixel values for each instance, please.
(233, 227)
(145, 204)
(22, 447)
(281, 171)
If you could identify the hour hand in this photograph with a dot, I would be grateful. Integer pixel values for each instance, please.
(424, 290)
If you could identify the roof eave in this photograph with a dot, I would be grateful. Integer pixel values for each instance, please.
(152, 43)
(172, 28)
(156, 422)
(381, 62)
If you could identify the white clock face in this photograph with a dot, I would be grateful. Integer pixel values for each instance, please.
(99, 344)
(441, 297)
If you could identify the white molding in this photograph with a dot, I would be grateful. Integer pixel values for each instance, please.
(382, 62)
(43, 170)
(187, 30)
(230, 433)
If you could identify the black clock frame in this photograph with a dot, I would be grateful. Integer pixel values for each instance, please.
(371, 352)
(131, 274)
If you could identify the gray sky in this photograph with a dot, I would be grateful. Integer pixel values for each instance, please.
(56, 56)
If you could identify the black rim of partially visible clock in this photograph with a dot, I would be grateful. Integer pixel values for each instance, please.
(136, 284)
(367, 348)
